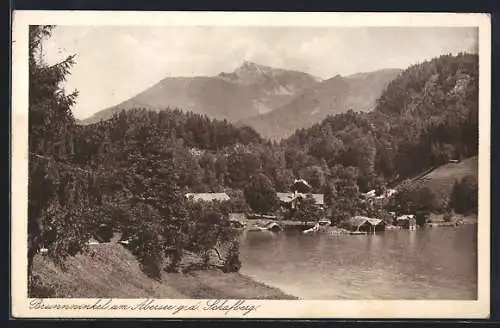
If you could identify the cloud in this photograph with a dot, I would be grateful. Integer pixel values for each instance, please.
(116, 62)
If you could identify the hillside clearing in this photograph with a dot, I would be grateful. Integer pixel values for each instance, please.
(441, 179)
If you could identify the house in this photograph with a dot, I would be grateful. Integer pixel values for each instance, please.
(407, 222)
(365, 224)
(256, 216)
(369, 194)
(390, 192)
(289, 199)
(208, 197)
(386, 194)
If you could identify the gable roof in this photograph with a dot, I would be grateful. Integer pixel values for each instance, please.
(358, 220)
(208, 197)
(301, 185)
(375, 222)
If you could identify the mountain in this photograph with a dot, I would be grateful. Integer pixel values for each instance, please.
(333, 96)
(250, 90)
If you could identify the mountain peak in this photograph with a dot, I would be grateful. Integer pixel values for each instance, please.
(247, 63)
(252, 65)
(251, 68)
(249, 72)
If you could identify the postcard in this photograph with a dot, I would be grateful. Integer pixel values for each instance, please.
(250, 165)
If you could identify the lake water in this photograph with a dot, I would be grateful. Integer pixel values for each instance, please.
(432, 263)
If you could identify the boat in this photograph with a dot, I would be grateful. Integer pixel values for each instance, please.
(270, 226)
(320, 226)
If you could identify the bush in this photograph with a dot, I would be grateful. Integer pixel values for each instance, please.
(464, 196)
(413, 196)
(448, 216)
(37, 289)
(261, 195)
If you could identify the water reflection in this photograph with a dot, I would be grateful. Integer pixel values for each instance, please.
(437, 263)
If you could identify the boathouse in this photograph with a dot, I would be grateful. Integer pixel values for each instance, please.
(407, 221)
(366, 224)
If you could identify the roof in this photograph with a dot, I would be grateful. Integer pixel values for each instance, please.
(285, 196)
(387, 193)
(405, 217)
(289, 196)
(390, 192)
(375, 222)
(302, 184)
(370, 193)
(301, 181)
(208, 197)
(359, 220)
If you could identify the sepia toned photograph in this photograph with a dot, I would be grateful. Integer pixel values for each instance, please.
(224, 167)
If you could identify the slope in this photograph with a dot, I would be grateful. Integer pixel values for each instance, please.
(441, 179)
(110, 271)
(333, 96)
(250, 90)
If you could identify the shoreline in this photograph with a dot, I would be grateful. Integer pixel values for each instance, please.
(435, 220)
(110, 271)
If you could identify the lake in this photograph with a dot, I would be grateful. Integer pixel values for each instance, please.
(431, 263)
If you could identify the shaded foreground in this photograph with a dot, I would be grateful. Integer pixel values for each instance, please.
(110, 271)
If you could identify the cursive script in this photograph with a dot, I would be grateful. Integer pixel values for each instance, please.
(224, 307)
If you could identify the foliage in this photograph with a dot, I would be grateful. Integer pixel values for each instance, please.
(430, 109)
(261, 195)
(37, 289)
(130, 173)
(412, 197)
(62, 201)
(464, 196)
(448, 216)
(307, 210)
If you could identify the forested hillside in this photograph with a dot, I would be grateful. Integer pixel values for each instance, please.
(133, 170)
(427, 116)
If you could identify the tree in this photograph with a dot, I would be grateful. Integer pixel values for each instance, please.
(63, 200)
(241, 166)
(412, 197)
(307, 210)
(464, 196)
(51, 122)
(260, 194)
(315, 176)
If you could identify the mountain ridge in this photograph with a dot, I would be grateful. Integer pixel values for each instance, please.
(249, 90)
(336, 95)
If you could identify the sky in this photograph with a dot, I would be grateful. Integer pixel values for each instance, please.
(114, 63)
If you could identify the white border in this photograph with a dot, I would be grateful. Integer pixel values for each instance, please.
(267, 309)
